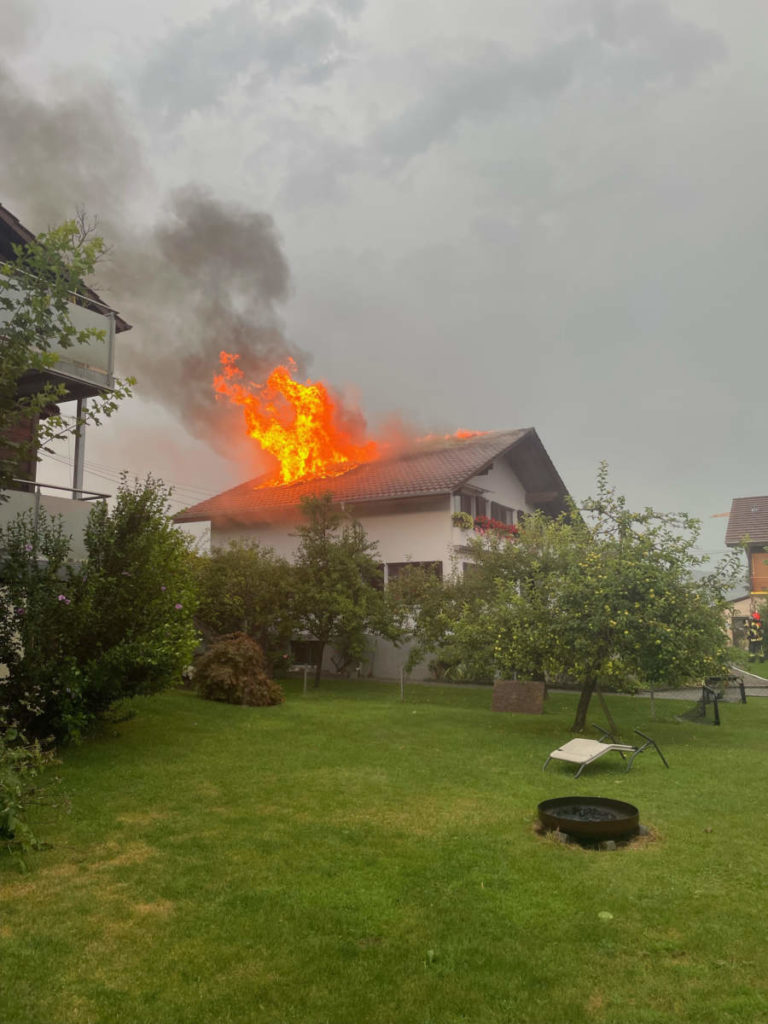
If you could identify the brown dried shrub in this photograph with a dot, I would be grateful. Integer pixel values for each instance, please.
(234, 670)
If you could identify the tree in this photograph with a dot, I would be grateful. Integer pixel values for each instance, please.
(337, 595)
(36, 288)
(603, 593)
(612, 594)
(427, 608)
(448, 618)
(246, 588)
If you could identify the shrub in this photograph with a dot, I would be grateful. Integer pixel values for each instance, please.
(20, 765)
(463, 520)
(135, 601)
(233, 670)
(246, 588)
(42, 690)
(76, 640)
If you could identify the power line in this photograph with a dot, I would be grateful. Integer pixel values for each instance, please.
(182, 493)
(109, 473)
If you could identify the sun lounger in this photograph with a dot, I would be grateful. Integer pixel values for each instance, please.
(583, 752)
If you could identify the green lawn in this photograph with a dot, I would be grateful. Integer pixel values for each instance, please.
(757, 668)
(346, 858)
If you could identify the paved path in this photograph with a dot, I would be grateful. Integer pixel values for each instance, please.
(754, 686)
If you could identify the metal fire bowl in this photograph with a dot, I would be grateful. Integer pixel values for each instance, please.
(590, 817)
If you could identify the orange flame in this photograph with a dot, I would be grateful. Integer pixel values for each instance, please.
(297, 423)
(457, 435)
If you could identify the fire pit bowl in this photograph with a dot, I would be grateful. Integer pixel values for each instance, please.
(590, 817)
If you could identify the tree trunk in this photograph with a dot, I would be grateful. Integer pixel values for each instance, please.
(582, 707)
(612, 727)
(319, 666)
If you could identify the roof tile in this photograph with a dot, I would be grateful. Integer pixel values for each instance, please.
(429, 468)
(748, 517)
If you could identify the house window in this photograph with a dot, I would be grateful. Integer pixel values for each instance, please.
(502, 513)
(465, 503)
(395, 568)
(481, 507)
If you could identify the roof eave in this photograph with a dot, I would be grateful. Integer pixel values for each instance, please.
(272, 512)
(25, 237)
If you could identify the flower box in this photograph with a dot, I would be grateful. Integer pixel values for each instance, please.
(483, 524)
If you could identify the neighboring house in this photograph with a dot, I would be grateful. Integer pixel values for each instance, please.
(407, 503)
(85, 371)
(748, 528)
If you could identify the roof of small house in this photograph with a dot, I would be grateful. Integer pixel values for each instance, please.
(748, 518)
(428, 467)
(13, 232)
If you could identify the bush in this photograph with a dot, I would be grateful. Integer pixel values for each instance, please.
(74, 640)
(246, 588)
(41, 693)
(20, 765)
(233, 670)
(136, 597)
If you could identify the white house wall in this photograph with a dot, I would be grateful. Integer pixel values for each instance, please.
(501, 485)
(418, 535)
(423, 536)
(402, 536)
(281, 537)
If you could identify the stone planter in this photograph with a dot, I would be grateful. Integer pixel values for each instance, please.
(521, 695)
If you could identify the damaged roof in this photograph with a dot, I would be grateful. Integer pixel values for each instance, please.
(428, 468)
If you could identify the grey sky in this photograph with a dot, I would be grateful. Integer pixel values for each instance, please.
(495, 214)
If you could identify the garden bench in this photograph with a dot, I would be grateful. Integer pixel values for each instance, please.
(583, 751)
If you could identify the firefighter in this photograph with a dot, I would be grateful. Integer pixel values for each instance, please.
(755, 637)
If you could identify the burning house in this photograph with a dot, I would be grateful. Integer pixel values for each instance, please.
(418, 503)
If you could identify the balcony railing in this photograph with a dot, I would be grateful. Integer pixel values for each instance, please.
(71, 504)
(76, 493)
(93, 361)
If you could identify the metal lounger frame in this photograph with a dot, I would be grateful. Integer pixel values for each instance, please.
(591, 750)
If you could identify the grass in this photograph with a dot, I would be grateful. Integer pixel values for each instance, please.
(345, 859)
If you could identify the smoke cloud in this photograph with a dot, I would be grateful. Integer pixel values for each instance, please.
(206, 276)
(67, 150)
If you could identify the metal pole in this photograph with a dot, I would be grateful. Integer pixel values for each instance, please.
(79, 466)
(36, 519)
(111, 348)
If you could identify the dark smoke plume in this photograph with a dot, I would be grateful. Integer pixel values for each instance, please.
(206, 276)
